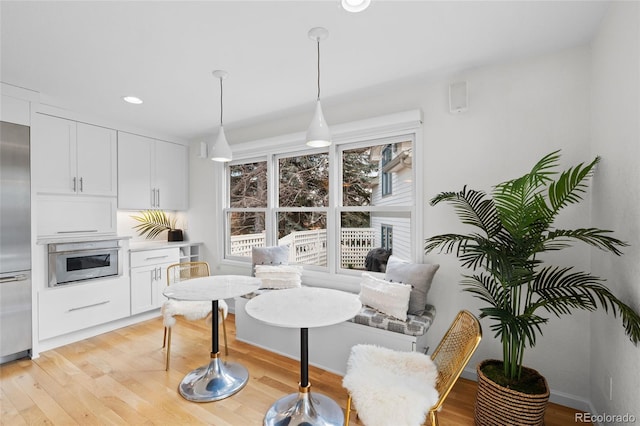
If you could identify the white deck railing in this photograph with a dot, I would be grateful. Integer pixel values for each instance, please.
(310, 247)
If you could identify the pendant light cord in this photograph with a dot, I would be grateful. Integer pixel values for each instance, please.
(318, 42)
(221, 102)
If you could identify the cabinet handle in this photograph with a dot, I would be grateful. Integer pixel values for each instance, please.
(13, 278)
(74, 184)
(81, 186)
(75, 232)
(156, 257)
(158, 197)
(88, 306)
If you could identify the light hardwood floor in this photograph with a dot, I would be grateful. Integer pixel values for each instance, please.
(119, 378)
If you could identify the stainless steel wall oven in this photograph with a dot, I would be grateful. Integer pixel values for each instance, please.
(81, 261)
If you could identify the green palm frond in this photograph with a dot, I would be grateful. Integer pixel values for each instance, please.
(472, 208)
(568, 189)
(487, 288)
(522, 328)
(154, 222)
(560, 291)
(513, 227)
(599, 238)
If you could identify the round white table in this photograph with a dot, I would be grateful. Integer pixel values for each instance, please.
(304, 308)
(217, 380)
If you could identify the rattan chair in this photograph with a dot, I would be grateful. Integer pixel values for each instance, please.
(189, 310)
(450, 357)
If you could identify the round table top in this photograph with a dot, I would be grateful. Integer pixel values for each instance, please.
(304, 307)
(215, 287)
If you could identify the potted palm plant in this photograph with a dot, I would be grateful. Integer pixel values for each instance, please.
(514, 227)
(154, 222)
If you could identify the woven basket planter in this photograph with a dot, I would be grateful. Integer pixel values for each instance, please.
(500, 406)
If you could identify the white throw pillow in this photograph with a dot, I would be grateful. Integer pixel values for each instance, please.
(279, 276)
(389, 298)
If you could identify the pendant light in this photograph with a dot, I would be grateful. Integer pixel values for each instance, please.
(221, 150)
(318, 133)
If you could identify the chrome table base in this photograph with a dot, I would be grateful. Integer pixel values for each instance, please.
(304, 409)
(215, 381)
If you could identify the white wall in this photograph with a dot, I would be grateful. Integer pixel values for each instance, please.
(517, 113)
(616, 202)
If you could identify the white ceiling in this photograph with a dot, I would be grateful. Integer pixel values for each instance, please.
(86, 55)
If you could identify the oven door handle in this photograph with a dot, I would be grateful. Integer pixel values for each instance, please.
(87, 251)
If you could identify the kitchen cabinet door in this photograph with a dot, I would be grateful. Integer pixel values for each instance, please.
(149, 277)
(135, 190)
(75, 307)
(53, 154)
(147, 285)
(152, 174)
(73, 158)
(142, 285)
(97, 160)
(171, 176)
(62, 216)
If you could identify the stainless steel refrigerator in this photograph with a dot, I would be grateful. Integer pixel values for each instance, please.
(15, 242)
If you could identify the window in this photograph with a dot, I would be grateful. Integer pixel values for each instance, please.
(332, 206)
(303, 200)
(246, 215)
(385, 177)
(387, 237)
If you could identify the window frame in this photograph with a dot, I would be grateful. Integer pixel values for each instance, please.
(369, 132)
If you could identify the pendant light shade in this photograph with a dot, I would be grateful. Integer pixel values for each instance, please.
(318, 133)
(221, 151)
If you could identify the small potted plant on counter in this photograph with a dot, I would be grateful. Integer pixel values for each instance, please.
(154, 222)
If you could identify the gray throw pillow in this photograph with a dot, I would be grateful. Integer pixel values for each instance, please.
(276, 255)
(419, 275)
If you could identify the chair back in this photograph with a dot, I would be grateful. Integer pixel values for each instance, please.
(454, 352)
(186, 270)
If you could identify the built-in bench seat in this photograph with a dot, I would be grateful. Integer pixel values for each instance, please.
(415, 325)
(329, 347)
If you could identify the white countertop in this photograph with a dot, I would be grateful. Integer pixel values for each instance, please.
(79, 239)
(304, 307)
(156, 245)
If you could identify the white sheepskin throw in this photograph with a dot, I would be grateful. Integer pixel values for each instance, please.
(390, 387)
(190, 310)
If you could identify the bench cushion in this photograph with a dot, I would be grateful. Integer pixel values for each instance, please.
(415, 325)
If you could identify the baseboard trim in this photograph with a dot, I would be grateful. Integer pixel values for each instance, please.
(557, 397)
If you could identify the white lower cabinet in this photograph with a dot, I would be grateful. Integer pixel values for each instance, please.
(75, 307)
(149, 277)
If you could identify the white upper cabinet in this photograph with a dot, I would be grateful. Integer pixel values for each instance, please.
(73, 158)
(152, 174)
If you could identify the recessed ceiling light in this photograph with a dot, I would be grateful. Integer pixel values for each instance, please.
(355, 5)
(132, 99)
